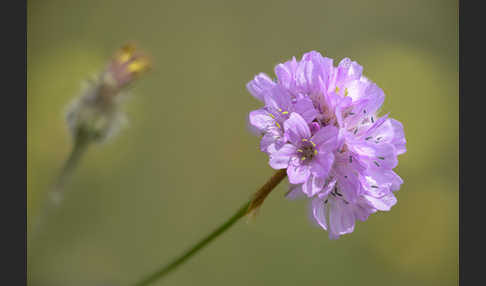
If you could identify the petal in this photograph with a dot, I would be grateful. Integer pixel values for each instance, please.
(313, 185)
(314, 72)
(376, 96)
(357, 88)
(279, 159)
(267, 140)
(326, 139)
(306, 109)
(278, 98)
(319, 211)
(384, 203)
(347, 71)
(261, 120)
(341, 218)
(399, 137)
(321, 164)
(362, 210)
(385, 178)
(295, 192)
(298, 173)
(327, 188)
(381, 127)
(296, 129)
(260, 85)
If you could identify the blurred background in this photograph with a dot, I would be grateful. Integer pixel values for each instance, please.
(187, 161)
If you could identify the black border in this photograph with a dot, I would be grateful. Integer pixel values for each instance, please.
(13, 210)
(471, 166)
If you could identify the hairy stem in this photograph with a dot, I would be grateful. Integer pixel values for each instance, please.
(241, 212)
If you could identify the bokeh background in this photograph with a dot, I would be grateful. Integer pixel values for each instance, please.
(187, 161)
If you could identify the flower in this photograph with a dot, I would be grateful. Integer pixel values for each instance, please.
(95, 115)
(321, 123)
(308, 158)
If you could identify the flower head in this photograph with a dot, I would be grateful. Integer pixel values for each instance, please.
(95, 115)
(321, 123)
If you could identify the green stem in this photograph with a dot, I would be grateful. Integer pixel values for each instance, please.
(241, 212)
(72, 161)
(56, 194)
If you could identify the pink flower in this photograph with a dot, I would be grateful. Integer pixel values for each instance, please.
(321, 123)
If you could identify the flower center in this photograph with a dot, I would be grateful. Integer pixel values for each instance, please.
(307, 150)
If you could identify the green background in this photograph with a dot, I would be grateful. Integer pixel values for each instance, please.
(186, 161)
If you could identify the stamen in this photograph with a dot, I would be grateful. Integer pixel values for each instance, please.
(346, 92)
(315, 152)
(350, 159)
(278, 125)
(364, 110)
(304, 140)
(375, 187)
(313, 144)
(368, 138)
(126, 53)
(381, 158)
(355, 130)
(300, 150)
(376, 163)
(303, 158)
(271, 115)
(372, 120)
(337, 193)
(138, 66)
(285, 112)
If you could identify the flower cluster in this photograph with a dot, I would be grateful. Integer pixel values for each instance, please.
(321, 124)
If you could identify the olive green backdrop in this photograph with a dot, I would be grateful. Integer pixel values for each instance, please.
(187, 161)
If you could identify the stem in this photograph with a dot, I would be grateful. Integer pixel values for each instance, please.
(70, 164)
(56, 195)
(241, 212)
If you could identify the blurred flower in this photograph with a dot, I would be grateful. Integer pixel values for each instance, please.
(95, 115)
(321, 124)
